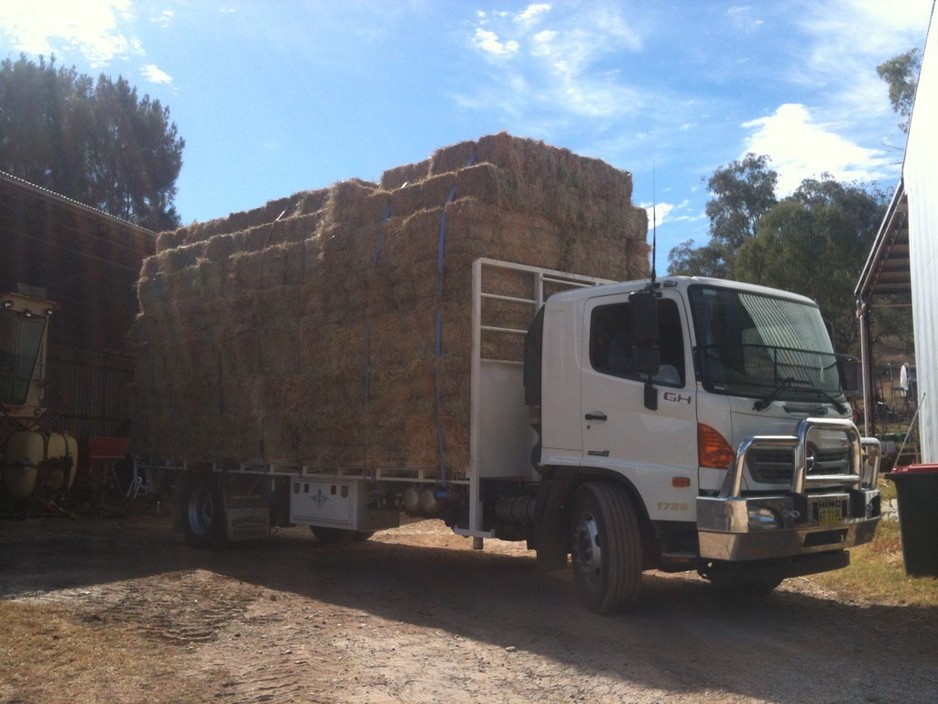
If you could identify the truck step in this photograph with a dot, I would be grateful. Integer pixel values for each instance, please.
(678, 561)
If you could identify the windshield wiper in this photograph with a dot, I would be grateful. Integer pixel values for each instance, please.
(784, 384)
(841, 407)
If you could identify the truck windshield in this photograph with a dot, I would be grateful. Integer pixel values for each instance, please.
(763, 347)
(20, 341)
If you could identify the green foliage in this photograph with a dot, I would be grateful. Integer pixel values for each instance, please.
(901, 73)
(94, 141)
(742, 193)
(815, 242)
(687, 260)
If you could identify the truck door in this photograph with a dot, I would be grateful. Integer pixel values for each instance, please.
(655, 449)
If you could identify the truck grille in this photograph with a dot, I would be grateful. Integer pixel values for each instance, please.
(832, 461)
(775, 466)
(771, 466)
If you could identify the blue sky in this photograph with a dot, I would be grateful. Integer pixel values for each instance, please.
(278, 97)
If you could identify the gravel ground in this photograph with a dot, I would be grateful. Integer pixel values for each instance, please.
(127, 612)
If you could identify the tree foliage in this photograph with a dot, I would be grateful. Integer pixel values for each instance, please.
(688, 260)
(901, 74)
(815, 242)
(741, 193)
(97, 142)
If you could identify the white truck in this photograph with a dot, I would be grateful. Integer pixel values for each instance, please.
(680, 424)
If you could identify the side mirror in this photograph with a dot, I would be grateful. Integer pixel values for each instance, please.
(644, 332)
(851, 378)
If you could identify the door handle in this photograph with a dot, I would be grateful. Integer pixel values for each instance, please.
(596, 416)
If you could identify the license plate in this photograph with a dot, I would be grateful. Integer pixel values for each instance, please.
(829, 512)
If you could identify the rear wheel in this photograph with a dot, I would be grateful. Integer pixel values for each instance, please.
(606, 547)
(203, 511)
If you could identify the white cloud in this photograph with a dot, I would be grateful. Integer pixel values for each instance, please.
(532, 13)
(799, 148)
(850, 38)
(96, 28)
(165, 18)
(154, 74)
(743, 18)
(850, 116)
(556, 57)
(662, 213)
(489, 42)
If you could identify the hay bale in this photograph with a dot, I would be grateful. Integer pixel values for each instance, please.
(320, 327)
(400, 176)
(453, 158)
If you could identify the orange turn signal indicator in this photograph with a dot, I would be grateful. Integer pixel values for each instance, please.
(712, 448)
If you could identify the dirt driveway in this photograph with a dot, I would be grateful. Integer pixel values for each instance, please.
(124, 611)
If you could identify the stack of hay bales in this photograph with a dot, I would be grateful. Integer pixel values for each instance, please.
(332, 328)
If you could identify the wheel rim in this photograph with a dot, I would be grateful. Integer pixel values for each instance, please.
(588, 553)
(201, 512)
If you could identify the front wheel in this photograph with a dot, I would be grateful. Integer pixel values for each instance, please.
(203, 511)
(606, 547)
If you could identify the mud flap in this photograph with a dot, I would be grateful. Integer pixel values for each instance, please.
(550, 522)
(248, 518)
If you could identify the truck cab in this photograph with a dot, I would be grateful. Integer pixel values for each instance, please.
(709, 418)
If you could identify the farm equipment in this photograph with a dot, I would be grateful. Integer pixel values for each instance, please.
(37, 465)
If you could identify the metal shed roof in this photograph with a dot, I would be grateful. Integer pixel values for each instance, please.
(88, 262)
(886, 271)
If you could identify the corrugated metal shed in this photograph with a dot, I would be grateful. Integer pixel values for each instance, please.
(88, 262)
(920, 174)
(904, 260)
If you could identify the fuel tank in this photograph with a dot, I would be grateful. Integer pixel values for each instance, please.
(35, 461)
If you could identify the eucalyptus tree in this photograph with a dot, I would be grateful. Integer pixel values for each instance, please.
(740, 194)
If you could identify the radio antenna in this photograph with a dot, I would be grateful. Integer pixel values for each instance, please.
(654, 226)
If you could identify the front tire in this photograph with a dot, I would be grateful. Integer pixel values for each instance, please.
(203, 512)
(606, 547)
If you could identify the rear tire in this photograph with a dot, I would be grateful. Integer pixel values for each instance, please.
(606, 548)
(203, 511)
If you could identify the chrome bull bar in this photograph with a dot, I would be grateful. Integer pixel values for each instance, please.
(789, 523)
(865, 456)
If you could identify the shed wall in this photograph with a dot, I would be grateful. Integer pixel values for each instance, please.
(921, 183)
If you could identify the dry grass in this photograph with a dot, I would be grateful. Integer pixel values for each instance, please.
(876, 574)
(110, 664)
